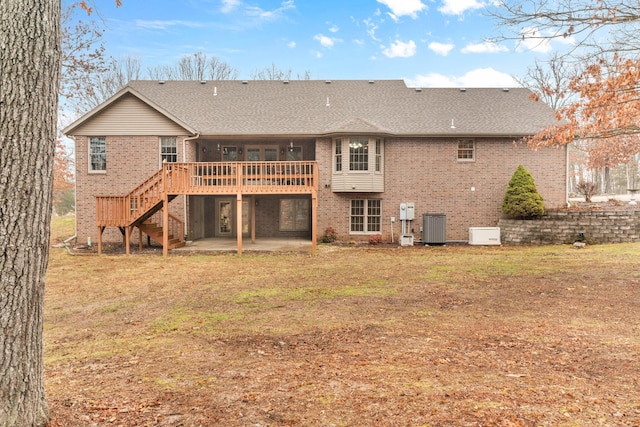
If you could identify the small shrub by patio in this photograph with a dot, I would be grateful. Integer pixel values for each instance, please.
(376, 239)
(329, 235)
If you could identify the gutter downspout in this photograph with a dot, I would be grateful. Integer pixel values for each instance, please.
(75, 185)
(184, 160)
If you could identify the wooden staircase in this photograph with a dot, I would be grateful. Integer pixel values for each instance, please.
(141, 208)
(152, 228)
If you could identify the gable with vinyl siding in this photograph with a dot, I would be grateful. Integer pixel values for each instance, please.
(130, 116)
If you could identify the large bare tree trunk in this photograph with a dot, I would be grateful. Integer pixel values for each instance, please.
(29, 74)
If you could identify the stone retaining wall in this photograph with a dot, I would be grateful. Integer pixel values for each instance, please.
(566, 227)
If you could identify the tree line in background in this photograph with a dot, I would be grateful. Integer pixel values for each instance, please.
(593, 87)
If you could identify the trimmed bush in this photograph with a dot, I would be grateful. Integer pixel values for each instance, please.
(522, 199)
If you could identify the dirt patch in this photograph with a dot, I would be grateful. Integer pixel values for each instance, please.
(354, 336)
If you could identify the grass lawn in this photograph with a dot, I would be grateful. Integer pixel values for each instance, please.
(353, 336)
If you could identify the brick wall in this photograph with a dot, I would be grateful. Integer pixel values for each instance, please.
(130, 161)
(420, 170)
(564, 227)
(426, 171)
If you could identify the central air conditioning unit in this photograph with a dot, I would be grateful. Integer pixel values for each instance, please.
(484, 235)
(434, 227)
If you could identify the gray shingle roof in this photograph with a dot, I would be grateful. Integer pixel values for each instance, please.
(318, 107)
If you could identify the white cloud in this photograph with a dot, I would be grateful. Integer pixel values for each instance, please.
(480, 77)
(326, 42)
(393, 17)
(334, 28)
(270, 15)
(371, 29)
(400, 49)
(291, 44)
(486, 47)
(163, 25)
(441, 49)
(404, 8)
(229, 5)
(458, 7)
(533, 40)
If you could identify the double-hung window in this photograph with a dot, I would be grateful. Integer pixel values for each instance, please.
(97, 154)
(366, 216)
(168, 149)
(338, 155)
(466, 150)
(378, 155)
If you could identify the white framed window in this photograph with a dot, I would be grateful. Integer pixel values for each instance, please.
(366, 216)
(97, 154)
(338, 155)
(168, 149)
(466, 150)
(358, 154)
(378, 155)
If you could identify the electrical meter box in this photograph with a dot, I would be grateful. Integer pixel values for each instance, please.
(407, 211)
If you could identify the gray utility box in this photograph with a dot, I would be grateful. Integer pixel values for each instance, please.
(434, 229)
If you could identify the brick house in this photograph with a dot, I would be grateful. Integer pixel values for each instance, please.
(252, 159)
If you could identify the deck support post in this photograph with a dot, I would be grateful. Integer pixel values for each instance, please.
(253, 219)
(139, 239)
(165, 225)
(127, 240)
(239, 221)
(100, 240)
(314, 222)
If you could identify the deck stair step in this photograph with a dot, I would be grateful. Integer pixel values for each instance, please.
(155, 232)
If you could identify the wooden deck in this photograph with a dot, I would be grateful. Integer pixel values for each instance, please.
(138, 208)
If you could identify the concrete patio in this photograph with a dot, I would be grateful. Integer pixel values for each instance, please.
(264, 244)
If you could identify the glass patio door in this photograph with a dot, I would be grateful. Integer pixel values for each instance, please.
(267, 153)
(226, 217)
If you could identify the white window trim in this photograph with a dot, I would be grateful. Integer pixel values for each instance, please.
(346, 155)
(160, 147)
(337, 142)
(365, 232)
(89, 168)
(473, 141)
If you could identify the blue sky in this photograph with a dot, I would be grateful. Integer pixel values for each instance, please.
(428, 43)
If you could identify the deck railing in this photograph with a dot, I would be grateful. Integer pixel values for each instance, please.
(207, 178)
(243, 177)
(176, 226)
